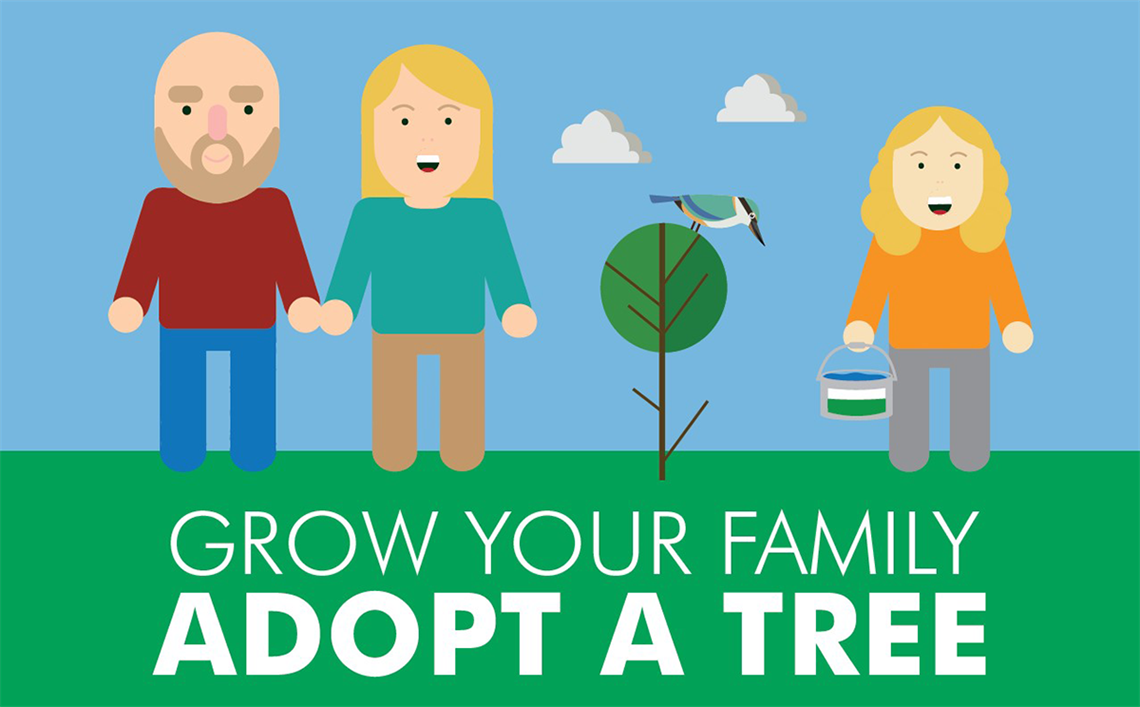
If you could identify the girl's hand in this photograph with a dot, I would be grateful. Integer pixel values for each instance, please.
(859, 332)
(519, 321)
(336, 317)
(1017, 337)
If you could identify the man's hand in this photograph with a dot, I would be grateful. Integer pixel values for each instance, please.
(336, 317)
(125, 314)
(305, 314)
(1017, 337)
(519, 321)
(858, 332)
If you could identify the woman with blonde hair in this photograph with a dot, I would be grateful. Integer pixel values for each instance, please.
(431, 239)
(938, 211)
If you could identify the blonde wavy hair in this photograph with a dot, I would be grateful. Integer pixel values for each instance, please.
(894, 233)
(446, 72)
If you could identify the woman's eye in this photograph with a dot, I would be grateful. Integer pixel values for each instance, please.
(249, 110)
(185, 110)
(403, 121)
(957, 165)
(447, 121)
(921, 165)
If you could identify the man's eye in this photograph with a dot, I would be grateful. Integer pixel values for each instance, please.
(957, 165)
(185, 110)
(403, 121)
(921, 165)
(447, 121)
(249, 110)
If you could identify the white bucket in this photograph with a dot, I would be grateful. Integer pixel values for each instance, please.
(856, 394)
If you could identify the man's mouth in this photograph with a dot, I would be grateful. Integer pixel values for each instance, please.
(939, 205)
(427, 163)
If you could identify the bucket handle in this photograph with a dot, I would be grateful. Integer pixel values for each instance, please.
(851, 346)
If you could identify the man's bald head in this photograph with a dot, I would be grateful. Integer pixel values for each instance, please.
(216, 117)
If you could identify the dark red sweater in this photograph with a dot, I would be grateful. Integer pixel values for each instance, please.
(220, 265)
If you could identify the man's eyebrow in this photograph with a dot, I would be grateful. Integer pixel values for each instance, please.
(448, 105)
(918, 152)
(185, 94)
(246, 94)
(402, 105)
(958, 153)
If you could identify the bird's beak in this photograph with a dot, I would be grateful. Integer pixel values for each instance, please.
(755, 228)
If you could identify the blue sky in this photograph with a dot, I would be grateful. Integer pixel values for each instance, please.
(1055, 83)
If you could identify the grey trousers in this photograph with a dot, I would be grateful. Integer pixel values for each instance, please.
(969, 407)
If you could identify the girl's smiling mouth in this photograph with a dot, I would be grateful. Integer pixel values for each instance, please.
(939, 205)
(427, 163)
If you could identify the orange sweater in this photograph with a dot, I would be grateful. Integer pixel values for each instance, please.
(940, 293)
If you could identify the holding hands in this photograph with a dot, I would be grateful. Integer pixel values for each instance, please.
(335, 318)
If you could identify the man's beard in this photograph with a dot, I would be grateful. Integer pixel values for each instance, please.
(238, 181)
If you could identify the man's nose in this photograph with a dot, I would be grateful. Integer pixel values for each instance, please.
(216, 122)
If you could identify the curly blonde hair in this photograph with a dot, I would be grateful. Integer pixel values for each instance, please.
(895, 234)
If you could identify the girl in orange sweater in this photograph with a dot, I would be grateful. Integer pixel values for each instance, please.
(938, 210)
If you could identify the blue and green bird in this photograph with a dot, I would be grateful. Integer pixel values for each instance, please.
(715, 211)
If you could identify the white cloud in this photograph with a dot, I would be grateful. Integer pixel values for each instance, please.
(759, 100)
(600, 139)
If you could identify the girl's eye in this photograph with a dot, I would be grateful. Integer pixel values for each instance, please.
(921, 165)
(403, 121)
(185, 110)
(249, 110)
(447, 121)
(957, 165)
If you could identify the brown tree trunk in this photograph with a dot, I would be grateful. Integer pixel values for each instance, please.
(661, 325)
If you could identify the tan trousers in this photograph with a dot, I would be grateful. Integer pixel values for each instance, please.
(461, 398)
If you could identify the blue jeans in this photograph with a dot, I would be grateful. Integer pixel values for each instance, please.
(182, 395)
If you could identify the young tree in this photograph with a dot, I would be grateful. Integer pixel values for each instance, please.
(663, 289)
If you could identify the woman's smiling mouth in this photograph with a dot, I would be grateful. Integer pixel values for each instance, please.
(427, 163)
(939, 205)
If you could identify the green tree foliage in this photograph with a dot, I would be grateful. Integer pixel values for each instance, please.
(631, 286)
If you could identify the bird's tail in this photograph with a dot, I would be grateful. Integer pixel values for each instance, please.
(659, 199)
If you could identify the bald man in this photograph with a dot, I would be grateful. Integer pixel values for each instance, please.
(220, 246)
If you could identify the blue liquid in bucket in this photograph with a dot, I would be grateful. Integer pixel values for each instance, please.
(855, 376)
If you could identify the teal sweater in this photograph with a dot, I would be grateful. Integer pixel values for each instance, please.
(429, 267)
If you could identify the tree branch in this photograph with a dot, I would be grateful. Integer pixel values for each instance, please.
(642, 396)
(682, 258)
(686, 302)
(686, 430)
(632, 283)
(643, 317)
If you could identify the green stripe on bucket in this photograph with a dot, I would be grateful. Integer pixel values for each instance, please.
(857, 408)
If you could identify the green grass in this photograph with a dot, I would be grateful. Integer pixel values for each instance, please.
(88, 585)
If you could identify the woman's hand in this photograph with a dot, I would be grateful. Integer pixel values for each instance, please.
(860, 333)
(1017, 337)
(519, 321)
(336, 317)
